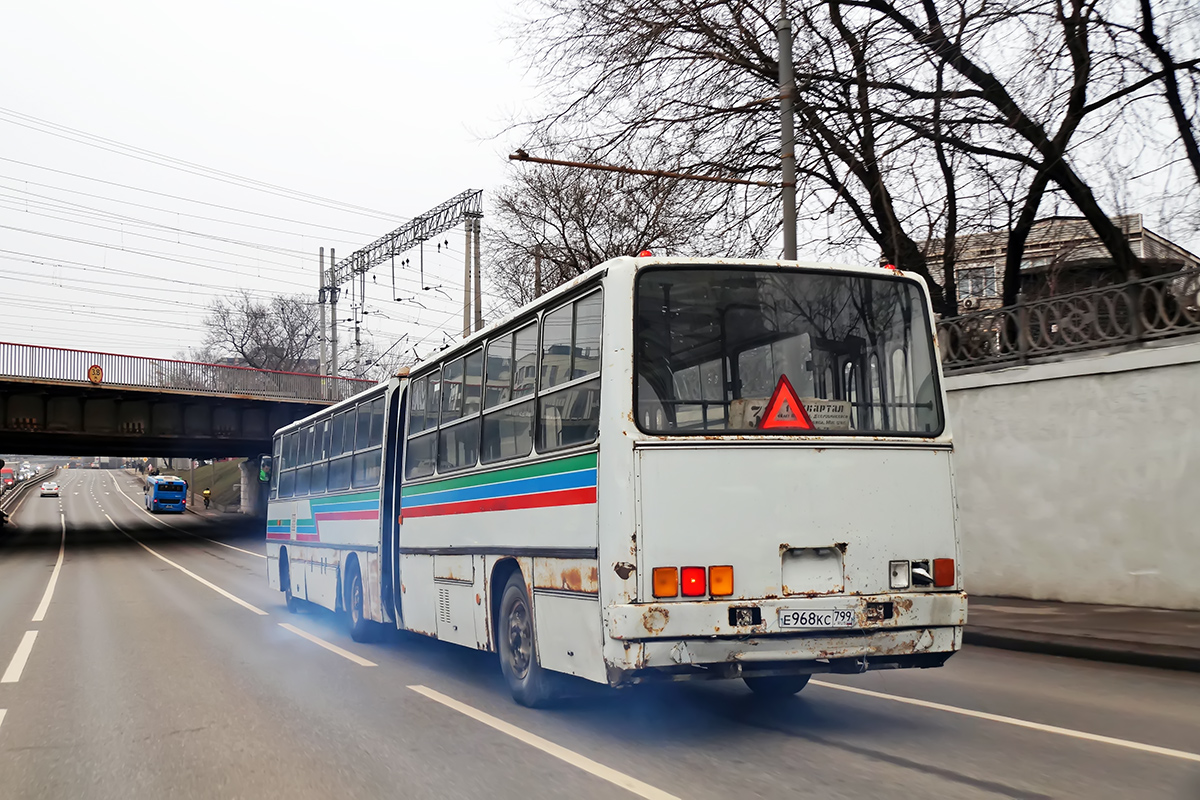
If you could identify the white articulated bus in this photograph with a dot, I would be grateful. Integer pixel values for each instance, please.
(667, 468)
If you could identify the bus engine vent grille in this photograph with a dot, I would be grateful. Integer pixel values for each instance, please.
(444, 605)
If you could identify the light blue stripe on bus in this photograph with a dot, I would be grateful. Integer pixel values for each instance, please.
(580, 479)
(359, 505)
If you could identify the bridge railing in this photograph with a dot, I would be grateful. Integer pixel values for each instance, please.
(109, 369)
(1143, 310)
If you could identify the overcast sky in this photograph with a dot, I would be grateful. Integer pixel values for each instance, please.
(386, 106)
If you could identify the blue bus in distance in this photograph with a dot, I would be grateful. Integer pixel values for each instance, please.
(166, 493)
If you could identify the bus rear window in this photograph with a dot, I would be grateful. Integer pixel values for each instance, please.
(718, 348)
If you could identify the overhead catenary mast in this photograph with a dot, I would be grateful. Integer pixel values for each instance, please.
(464, 207)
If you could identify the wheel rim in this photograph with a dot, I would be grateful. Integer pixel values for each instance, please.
(356, 598)
(520, 638)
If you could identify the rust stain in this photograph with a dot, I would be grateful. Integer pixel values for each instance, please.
(841, 546)
(623, 569)
(788, 591)
(655, 619)
(571, 580)
(567, 574)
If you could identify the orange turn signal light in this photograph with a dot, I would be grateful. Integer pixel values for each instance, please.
(666, 581)
(720, 581)
(943, 572)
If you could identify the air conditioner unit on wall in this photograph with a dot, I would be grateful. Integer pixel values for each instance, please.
(970, 304)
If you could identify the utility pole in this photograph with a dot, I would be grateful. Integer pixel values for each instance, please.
(358, 314)
(537, 271)
(467, 278)
(787, 92)
(321, 301)
(333, 358)
(478, 279)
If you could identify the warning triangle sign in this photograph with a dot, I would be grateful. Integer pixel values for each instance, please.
(784, 410)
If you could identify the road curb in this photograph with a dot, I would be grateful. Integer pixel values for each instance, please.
(1137, 654)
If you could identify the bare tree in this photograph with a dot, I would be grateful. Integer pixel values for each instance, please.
(576, 219)
(918, 120)
(282, 334)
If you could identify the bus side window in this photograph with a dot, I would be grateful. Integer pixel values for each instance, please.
(571, 416)
(511, 367)
(367, 467)
(277, 450)
(420, 455)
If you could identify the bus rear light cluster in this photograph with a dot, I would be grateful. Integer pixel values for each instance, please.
(693, 581)
(939, 572)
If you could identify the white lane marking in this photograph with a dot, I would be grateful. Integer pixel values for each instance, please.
(40, 614)
(1020, 723)
(333, 648)
(17, 665)
(181, 530)
(3, 711)
(192, 575)
(584, 763)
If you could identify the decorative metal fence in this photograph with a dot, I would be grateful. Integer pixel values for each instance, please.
(106, 369)
(1142, 310)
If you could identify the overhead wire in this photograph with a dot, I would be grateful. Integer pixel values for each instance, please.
(178, 197)
(161, 159)
(176, 212)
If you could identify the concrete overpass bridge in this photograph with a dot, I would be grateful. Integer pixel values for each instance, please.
(55, 401)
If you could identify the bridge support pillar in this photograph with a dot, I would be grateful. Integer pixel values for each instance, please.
(254, 496)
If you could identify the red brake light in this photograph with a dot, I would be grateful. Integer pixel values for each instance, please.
(692, 582)
(943, 572)
(645, 254)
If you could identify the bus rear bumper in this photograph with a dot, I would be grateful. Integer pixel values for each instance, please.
(689, 641)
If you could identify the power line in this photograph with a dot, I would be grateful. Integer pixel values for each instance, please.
(88, 212)
(176, 197)
(145, 275)
(150, 156)
(155, 254)
(154, 208)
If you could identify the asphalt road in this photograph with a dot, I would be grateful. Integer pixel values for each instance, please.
(144, 680)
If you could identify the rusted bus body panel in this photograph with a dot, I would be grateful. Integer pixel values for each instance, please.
(567, 574)
(710, 619)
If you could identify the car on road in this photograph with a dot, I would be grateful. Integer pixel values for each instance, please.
(49, 489)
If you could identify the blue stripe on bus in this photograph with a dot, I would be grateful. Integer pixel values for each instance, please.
(580, 479)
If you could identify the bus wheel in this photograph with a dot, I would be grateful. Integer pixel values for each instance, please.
(777, 685)
(285, 578)
(361, 628)
(529, 683)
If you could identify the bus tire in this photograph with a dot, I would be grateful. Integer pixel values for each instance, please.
(777, 685)
(361, 628)
(285, 580)
(529, 683)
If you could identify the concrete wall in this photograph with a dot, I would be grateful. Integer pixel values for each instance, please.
(1080, 480)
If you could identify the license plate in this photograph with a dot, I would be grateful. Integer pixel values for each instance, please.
(816, 618)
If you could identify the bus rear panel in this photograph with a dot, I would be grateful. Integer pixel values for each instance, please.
(793, 488)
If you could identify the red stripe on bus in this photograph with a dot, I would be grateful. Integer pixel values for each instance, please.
(326, 516)
(564, 497)
(300, 537)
